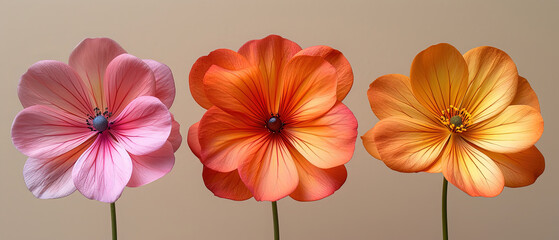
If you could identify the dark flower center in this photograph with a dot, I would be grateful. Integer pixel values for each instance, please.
(99, 122)
(456, 120)
(274, 124)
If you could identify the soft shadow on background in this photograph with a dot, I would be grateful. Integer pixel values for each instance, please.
(376, 37)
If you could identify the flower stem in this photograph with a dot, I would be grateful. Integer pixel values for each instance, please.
(113, 220)
(445, 224)
(276, 220)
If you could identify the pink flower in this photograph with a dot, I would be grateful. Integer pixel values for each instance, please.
(97, 124)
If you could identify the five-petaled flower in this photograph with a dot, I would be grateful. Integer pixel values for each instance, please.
(471, 117)
(97, 124)
(275, 124)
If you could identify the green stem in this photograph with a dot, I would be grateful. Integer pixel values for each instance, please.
(445, 224)
(276, 220)
(113, 219)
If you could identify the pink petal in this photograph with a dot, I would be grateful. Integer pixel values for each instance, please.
(127, 78)
(226, 184)
(152, 166)
(143, 126)
(103, 170)
(175, 138)
(164, 82)
(55, 84)
(90, 59)
(193, 141)
(45, 132)
(52, 178)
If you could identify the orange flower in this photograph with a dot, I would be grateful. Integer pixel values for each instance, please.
(275, 124)
(471, 117)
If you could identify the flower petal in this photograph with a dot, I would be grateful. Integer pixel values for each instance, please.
(90, 59)
(175, 137)
(369, 143)
(521, 168)
(493, 82)
(525, 95)
(470, 170)
(164, 82)
(127, 77)
(193, 141)
(309, 88)
(55, 84)
(225, 140)
(270, 174)
(152, 166)
(52, 178)
(226, 184)
(316, 183)
(224, 58)
(143, 126)
(516, 128)
(439, 77)
(391, 95)
(102, 171)
(409, 145)
(337, 59)
(327, 141)
(44, 132)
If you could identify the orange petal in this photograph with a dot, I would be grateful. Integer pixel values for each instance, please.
(309, 89)
(439, 77)
(193, 141)
(525, 95)
(391, 95)
(369, 143)
(327, 141)
(337, 59)
(316, 183)
(493, 82)
(516, 128)
(470, 170)
(224, 58)
(226, 141)
(226, 184)
(519, 169)
(270, 174)
(409, 145)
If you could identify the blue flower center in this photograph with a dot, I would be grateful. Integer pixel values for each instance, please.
(100, 123)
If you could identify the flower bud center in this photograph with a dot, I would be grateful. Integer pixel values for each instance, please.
(100, 123)
(456, 120)
(274, 124)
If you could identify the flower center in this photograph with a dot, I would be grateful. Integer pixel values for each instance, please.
(457, 120)
(274, 124)
(99, 122)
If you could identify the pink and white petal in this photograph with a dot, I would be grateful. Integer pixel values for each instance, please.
(164, 82)
(152, 166)
(521, 168)
(224, 58)
(409, 145)
(226, 141)
(338, 60)
(308, 90)
(439, 77)
(175, 137)
(55, 84)
(470, 170)
(226, 184)
(369, 143)
(327, 141)
(45, 132)
(525, 95)
(127, 78)
(52, 178)
(270, 174)
(143, 126)
(391, 95)
(493, 82)
(193, 141)
(103, 170)
(90, 60)
(516, 128)
(316, 183)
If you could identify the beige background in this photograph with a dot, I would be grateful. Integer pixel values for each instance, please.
(377, 37)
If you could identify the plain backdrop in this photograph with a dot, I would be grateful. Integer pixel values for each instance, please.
(376, 37)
